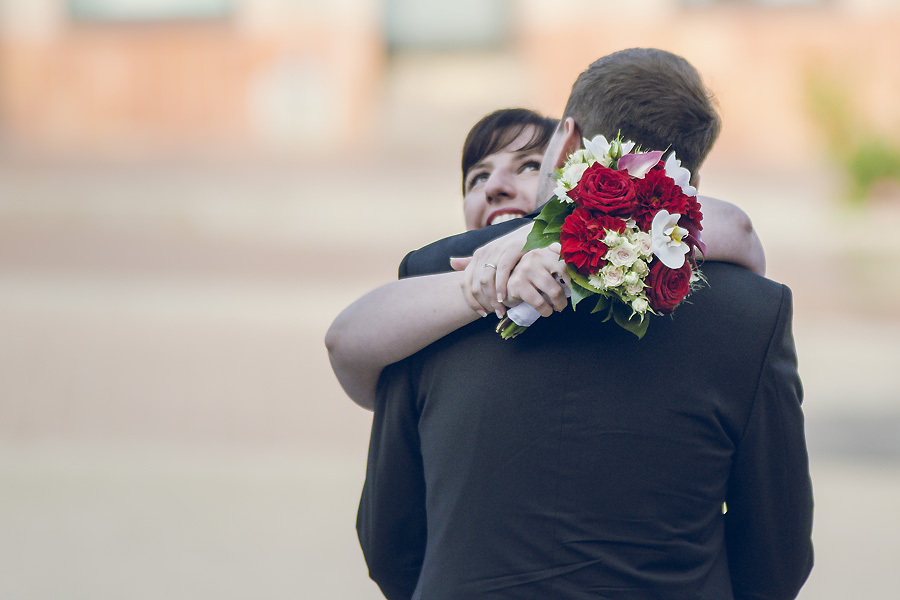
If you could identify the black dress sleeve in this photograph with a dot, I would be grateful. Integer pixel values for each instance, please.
(768, 523)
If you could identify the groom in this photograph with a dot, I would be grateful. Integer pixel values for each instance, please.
(577, 461)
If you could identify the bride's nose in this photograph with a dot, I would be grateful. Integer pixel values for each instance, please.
(500, 186)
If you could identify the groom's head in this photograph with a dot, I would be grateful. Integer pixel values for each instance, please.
(655, 98)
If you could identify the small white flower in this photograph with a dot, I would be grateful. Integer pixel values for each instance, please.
(619, 148)
(643, 243)
(605, 152)
(611, 238)
(561, 193)
(612, 276)
(634, 290)
(622, 254)
(640, 267)
(680, 175)
(568, 179)
(640, 305)
(632, 278)
(582, 156)
(596, 281)
(667, 239)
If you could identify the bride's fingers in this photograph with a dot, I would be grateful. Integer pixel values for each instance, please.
(551, 291)
(535, 281)
(555, 293)
(533, 297)
(486, 291)
(562, 272)
(466, 287)
(478, 287)
(472, 301)
(484, 265)
(459, 263)
(505, 266)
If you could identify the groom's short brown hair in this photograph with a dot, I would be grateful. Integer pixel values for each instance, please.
(655, 98)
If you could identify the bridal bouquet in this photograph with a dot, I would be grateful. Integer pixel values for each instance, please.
(627, 223)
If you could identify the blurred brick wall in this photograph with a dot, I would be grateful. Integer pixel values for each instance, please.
(266, 76)
(309, 75)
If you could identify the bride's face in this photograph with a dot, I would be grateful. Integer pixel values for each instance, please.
(503, 185)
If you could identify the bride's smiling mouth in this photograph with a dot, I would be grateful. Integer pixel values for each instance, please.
(503, 215)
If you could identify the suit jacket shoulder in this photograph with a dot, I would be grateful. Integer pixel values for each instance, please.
(435, 257)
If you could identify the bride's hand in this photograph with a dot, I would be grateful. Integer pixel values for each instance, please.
(535, 280)
(488, 270)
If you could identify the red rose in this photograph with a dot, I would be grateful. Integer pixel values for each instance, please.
(655, 192)
(666, 287)
(605, 190)
(581, 239)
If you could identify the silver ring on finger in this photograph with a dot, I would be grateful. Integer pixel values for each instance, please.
(494, 267)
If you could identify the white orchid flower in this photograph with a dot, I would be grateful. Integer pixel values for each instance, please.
(604, 151)
(637, 165)
(680, 175)
(667, 239)
(598, 147)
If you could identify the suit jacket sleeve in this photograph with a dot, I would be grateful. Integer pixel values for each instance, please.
(768, 523)
(391, 520)
(435, 257)
(391, 523)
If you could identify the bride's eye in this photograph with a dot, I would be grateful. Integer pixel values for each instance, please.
(531, 165)
(477, 179)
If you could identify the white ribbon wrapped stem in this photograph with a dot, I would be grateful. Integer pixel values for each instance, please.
(524, 315)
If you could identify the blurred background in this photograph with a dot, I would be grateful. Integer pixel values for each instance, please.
(191, 190)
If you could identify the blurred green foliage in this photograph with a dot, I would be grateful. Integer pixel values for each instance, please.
(866, 156)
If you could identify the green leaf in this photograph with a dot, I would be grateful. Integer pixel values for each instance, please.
(604, 304)
(537, 238)
(579, 292)
(624, 316)
(547, 225)
(554, 214)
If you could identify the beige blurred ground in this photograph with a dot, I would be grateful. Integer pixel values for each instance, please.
(169, 425)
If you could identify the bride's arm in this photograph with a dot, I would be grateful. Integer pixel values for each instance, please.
(729, 235)
(402, 317)
(391, 323)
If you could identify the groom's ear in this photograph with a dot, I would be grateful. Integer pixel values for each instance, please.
(571, 141)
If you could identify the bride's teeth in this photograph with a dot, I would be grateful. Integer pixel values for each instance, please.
(503, 218)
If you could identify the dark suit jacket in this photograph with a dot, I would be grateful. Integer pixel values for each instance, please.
(576, 461)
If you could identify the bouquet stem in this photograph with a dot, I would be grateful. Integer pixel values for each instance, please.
(508, 329)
